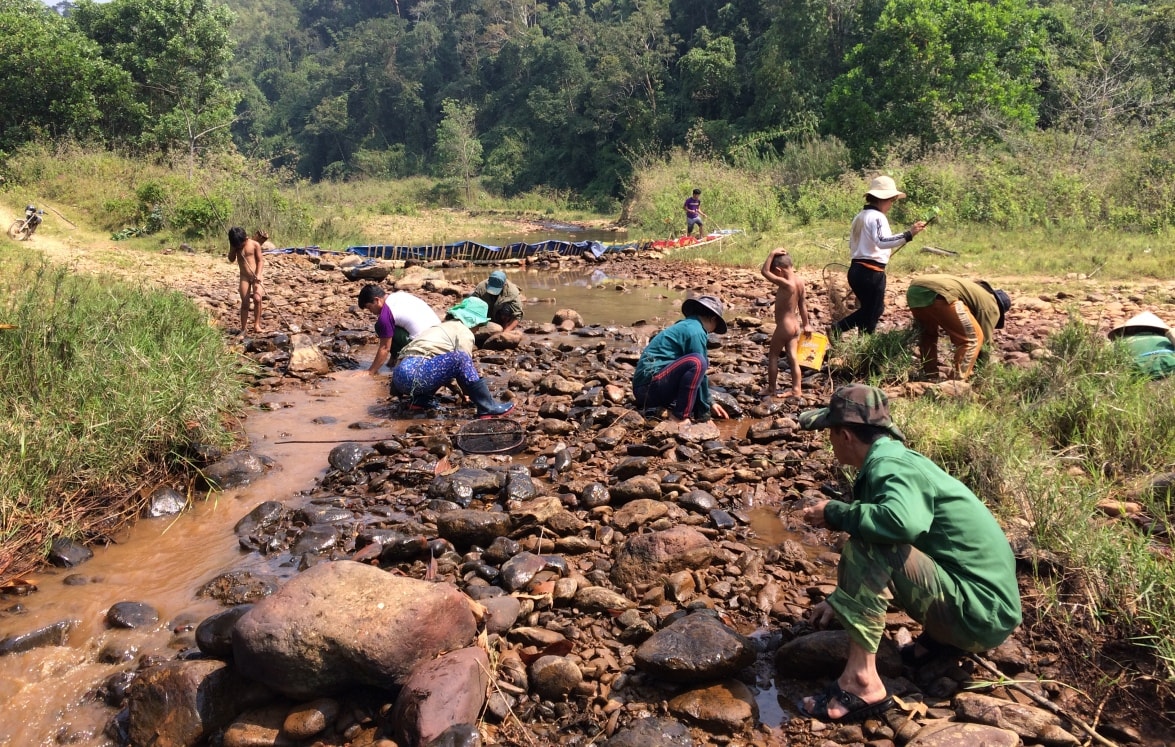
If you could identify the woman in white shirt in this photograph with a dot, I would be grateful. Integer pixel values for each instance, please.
(872, 245)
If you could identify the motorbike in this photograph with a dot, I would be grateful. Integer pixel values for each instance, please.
(24, 229)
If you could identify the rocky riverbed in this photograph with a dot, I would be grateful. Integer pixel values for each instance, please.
(609, 580)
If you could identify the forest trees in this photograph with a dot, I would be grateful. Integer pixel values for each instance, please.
(177, 53)
(570, 94)
(935, 70)
(53, 81)
(458, 149)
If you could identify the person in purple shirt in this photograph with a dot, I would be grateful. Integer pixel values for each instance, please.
(694, 214)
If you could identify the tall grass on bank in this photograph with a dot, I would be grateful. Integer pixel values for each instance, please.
(104, 385)
(731, 197)
(1053, 448)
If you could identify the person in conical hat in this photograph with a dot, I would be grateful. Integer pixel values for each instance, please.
(1151, 342)
(1144, 322)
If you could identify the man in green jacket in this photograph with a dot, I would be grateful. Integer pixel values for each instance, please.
(918, 538)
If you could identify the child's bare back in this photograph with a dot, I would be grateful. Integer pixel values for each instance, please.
(791, 319)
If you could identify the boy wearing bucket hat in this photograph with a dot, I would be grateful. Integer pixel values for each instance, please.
(969, 312)
(872, 245)
(1151, 341)
(791, 317)
(918, 539)
(503, 298)
(399, 316)
(671, 371)
(442, 353)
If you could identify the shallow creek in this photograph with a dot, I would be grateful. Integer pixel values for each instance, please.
(44, 693)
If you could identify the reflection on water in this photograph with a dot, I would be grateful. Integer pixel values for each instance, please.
(769, 529)
(601, 299)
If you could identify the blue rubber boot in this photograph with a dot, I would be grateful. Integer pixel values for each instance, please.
(487, 406)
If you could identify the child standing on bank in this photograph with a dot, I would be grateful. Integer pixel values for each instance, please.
(246, 253)
(791, 318)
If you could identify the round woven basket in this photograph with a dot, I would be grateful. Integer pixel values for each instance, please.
(490, 436)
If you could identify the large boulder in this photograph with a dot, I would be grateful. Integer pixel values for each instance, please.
(646, 558)
(342, 624)
(305, 357)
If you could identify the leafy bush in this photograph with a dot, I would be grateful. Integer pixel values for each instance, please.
(200, 217)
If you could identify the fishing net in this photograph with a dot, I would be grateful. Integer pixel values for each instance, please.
(490, 436)
(841, 300)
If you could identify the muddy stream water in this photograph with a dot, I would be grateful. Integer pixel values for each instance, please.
(46, 694)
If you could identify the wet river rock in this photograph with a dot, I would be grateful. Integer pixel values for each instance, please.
(343, 624)
(610, 538)
(696, 648)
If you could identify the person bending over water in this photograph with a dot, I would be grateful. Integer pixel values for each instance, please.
(444, 353)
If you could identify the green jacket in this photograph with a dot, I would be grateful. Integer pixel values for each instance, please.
(901, 497)
(1153, 354)
(505, 306)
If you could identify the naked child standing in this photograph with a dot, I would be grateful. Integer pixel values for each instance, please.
(246, 253)
(791, 318)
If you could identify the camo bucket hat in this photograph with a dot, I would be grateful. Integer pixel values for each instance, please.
(853, 404)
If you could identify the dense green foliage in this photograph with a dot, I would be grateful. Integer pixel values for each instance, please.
(104, 383)
(578, 97)
(53, 80)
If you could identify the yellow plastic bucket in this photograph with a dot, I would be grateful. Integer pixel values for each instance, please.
(811, 349)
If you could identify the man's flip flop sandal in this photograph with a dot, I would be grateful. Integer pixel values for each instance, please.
(858, 710)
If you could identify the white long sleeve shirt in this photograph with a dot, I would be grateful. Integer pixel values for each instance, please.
(870, 239)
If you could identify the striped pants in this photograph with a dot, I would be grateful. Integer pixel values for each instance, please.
(960, 325)
(675, 386)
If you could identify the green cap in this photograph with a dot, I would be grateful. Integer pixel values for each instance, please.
(473, 312)
(853, 404)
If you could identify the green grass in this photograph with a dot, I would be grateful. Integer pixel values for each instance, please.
(1044, 446)
(104, 383)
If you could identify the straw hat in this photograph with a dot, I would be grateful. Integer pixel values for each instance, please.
(884, 188)
(1144, 321)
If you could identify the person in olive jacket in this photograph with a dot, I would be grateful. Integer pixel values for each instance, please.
(969, 312)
